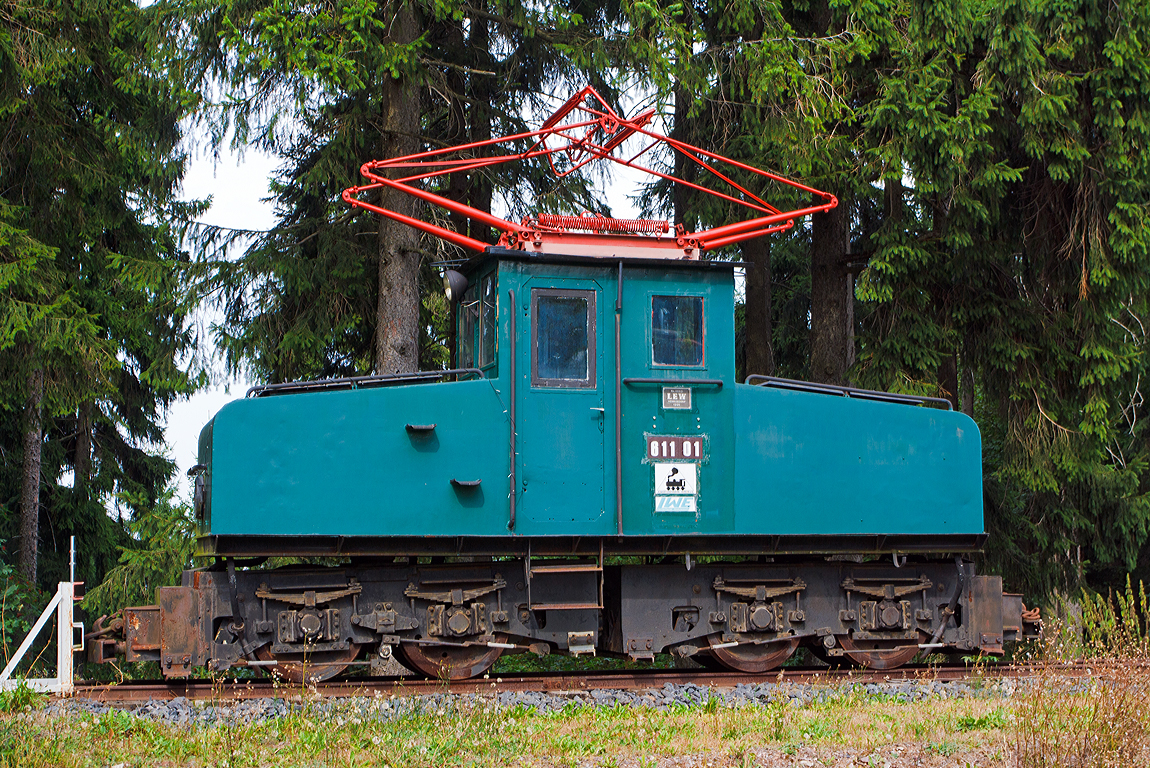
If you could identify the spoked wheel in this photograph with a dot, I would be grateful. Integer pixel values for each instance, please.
(449, 662)
(308, 667)
(750, 657)
(879, 654)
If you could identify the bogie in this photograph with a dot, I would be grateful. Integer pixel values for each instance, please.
(453, 620)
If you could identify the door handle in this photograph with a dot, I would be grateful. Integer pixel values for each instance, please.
(600, 410)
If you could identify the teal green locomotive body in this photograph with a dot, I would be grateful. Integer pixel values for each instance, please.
(588, 478)
(600, 402)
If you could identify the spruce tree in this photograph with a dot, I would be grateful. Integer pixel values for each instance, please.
(93, 339)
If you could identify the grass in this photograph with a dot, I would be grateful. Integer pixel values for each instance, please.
(485, 734)
(20, 698)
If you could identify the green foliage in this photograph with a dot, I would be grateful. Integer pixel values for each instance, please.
(561, 662)
(164, 539)
(17, 604)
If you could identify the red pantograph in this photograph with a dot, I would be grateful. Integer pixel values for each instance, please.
(583, 131)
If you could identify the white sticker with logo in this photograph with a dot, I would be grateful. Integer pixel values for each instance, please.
(675, 504)
(679, 479)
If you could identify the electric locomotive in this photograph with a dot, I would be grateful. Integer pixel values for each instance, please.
(588, 478)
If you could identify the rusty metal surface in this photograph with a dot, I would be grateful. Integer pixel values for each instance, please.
(128, 693)
(142, 633)
(180, 630)
(986, 604)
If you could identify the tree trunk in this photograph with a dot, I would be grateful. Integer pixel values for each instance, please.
(760, 350)
(948, 378)
(82, 463)
(30, 492)
(684, 169)
(456, 81)
(828, 296)
(482, 93)
(397, 314)
(968, 391)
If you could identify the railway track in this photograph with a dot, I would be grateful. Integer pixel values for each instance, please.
(141, 691)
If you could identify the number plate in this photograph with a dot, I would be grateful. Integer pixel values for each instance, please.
(677, 447)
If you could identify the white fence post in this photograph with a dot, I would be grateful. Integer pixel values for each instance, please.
(63, 602)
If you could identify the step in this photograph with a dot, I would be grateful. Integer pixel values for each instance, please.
(565, 607)
(581, 568)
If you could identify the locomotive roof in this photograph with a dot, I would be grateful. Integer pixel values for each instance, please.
(499, 253)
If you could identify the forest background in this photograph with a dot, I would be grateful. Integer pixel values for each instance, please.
(991, 158)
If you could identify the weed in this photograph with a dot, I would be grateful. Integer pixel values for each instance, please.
(818, 729)
(777, 708)
(944, 748)
(116, 724)
(1101, 720)
(996, 718)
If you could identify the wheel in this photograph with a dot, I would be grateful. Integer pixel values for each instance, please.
(308, 667)
(752, 658)
(449, 662)
(879, 654)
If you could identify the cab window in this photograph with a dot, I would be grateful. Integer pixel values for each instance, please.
(563, 349)
(475, 344)
(487, 321)
(677, 330)
(468, 322)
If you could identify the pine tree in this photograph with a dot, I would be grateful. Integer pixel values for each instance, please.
(93, 333)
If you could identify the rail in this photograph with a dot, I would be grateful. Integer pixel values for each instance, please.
(357, 382)
(841, 391)
(635, 679)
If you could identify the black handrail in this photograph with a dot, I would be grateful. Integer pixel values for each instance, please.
(619, 401)
(355, 382)
(511, 407)
(678, 382)
(841, 391)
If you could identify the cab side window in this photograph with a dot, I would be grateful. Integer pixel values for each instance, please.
(487, 321)
(475, 344)
(677, 330)
(468, 322)
(563, 349)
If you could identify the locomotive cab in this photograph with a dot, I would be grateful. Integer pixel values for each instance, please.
(617, 371)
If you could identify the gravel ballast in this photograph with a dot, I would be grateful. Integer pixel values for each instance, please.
(183, 712)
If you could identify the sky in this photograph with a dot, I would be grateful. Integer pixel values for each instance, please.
(236, 186)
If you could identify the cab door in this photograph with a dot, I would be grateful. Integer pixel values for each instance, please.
(561, 420)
